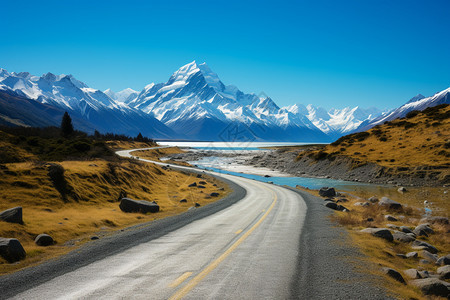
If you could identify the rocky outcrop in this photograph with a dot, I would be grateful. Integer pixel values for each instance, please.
(142, 206)
(327, 192)
(12, 215)
(11, 250)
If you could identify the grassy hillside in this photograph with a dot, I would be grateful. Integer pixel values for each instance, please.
(418, 143)
(76, 195)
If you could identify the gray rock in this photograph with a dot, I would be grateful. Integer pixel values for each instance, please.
(401, 255)
(197, 204)
(183, 201)
(12, 215)
(405, 229)
(436, 219)
(394, 274)
(11, 250)
(424, 274)
(402, 190)
(412, 254)
(443, 260)
(425, 228)
(425, 245)
(44, 240)
(335, 206)
(214, 194)
(392, 226)
(402, 237)
(201, 186)
(383, 233)
(432, 286)
(93, 238)
(363, 204)
(389, 203)
(390, 218)
(429, 256)
(327, 192)
(373, 199)
(142, 206)
(193, 184)
(202, 182)
(369, 219)
(412, 273)
(424, 261)
(444, 272)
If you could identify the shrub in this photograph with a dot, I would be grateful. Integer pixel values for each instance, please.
(412, 114)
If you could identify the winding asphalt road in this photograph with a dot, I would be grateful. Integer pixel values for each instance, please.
(249, 248)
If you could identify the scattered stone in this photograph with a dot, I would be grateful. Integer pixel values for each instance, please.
(363, 204)
(394, 274)
(390, 218)
(405, 229)
(412, 273)
(444, 272)
(183, 201)
(424, 274)
(389, 203)
(383, 233)
(222, 189)
(199, 175)
(425, 245)
(432, 286)
(433, 220)
(369, 219)
(412, 254)
(214, 194)
(201, 186)
(44, 240)
(327, 192)
(392, 226)
(267, 176)
(443, 260)
(142, 206)
(402, 237)
(424, 261)
(429, 256)
(193, 184)
(197, 204)
(214, 184)
(11, 250)
(336, 206)
(93, 238)
(12, 215)
(402, 190)
(423, 227)
(202, 182)
(373, 199)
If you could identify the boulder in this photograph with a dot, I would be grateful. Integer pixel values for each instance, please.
(327, 192)
(197, 204)
(436, 219)
(405, 229)
(412, 273)
(12, 215)
(443, 260)
(44, 240)
(424, 274)
(193, 184)
(142, 206)
(429, 256)
(424, 227)
(394, 274)
(402, 190)
(183, 201)
(373, 199)
(201, 186)
(433, 286)
(389, 203)
(402, 237)
(202, 182)
(444, 272)
(412, 254)
(11, 250)
(383, 233)
(420, 233)
(390, 218)
(214, 194)
(335, 206)
(425, 246)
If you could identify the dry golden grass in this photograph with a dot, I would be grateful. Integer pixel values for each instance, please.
(122, 145)
(92, 206)
(156, 154)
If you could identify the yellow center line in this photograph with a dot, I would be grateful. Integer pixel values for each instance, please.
(239, 231)
(180, 279)
(196, 280)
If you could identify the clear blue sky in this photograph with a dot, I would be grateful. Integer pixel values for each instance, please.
(329, 53)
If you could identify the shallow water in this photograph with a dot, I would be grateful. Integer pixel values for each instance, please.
(229, 145)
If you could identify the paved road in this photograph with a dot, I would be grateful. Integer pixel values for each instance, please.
(246, 251)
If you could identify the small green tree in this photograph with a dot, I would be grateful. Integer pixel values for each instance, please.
(66, 125)
(139, 137)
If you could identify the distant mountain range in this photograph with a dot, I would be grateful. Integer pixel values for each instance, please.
(193, 104)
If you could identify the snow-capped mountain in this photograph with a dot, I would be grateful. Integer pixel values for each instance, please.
(95, 107)
(124, 96)
(335, 122)
(418, 102)
(194, 101)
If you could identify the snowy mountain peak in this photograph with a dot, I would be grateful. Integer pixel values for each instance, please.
(125, 96)
(416, 98)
